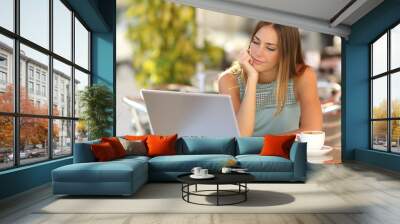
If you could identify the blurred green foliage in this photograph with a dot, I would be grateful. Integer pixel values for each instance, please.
(163, 35)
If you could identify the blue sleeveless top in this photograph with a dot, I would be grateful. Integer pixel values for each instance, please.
(265, 121)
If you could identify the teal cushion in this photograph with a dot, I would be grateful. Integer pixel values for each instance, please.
(185, 163)
(257, 163)
(205, 145)
(249, 145)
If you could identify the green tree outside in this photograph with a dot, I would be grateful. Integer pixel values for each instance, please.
(380, 128)
(164, 35)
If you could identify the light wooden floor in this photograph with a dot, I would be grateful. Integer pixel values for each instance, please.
(378, 188)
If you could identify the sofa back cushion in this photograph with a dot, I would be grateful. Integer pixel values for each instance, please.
(195, 145)
(83, 152)
(249, 145)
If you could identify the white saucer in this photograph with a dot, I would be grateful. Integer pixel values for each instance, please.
(208, 176)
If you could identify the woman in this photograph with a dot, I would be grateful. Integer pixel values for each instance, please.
(272, 90)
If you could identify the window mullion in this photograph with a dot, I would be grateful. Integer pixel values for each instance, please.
(50, 81)
(16, 84)
(73, 82)
(370, 98)
(389, 106)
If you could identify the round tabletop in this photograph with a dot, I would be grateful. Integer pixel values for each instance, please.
(220, 178)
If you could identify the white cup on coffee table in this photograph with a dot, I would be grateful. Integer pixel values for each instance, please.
(315, 139)
(203, 172)
(196, 170)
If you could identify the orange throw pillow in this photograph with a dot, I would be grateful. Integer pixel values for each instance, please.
(275, 145)
(161, 145)
(116, 145)
(103, 151)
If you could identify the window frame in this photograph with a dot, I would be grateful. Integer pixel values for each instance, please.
(16, 114)
(388, 74)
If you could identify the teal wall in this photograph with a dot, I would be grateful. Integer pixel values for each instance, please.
(356, 101)
(24, 178)
(99, 16)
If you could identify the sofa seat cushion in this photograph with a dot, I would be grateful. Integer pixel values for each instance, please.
(111, 171)
(133, 158)
(185, 163)
(257, 163)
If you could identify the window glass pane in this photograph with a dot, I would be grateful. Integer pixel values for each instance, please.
(62, 141)
(379, 55)
(81, 81)
(81, 45)
(6, 74)
(379, 135)
(35, 21)
(395, 136)
(395, 47)
(62, 89)
(6, 142)
(62, 29)
(395, 94)
(379, 97)
(33, 139)
(81, 131)
(34, 80)
(7, 14)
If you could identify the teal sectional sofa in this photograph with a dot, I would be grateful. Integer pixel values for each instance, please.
(125, 176)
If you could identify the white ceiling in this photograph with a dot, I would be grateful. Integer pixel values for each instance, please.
(324, 16)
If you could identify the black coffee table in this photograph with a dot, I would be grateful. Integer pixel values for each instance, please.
(238, 179)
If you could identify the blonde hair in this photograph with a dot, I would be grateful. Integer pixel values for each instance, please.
(290, 55)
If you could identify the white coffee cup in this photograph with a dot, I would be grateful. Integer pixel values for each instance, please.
(203, 172)
(196, 170)
(315, 139)
(226, 170)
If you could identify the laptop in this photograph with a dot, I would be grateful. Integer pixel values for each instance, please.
(190, 114)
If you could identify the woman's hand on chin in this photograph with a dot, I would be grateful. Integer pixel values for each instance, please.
(246, 62)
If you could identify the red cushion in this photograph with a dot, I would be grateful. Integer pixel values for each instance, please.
(275, 145)
(116, 145)
(103, 151)
(161, 145)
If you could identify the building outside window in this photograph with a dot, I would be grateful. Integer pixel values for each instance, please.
(385, 96)
(30, 87)
(3, 72)
(34, 75)
(30, 72)
(43, 90)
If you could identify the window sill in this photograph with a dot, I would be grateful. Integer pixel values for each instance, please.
(26, 167)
